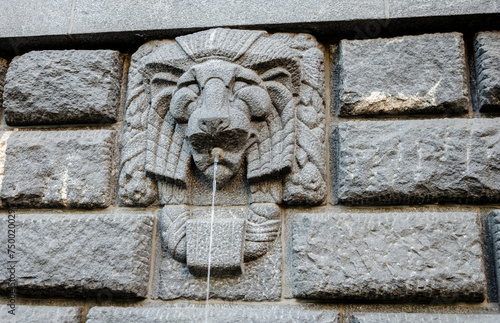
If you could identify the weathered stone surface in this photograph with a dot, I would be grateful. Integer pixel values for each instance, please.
(221, 314)
(261, 277)
(58, 87)
(487, 56)
(387, 256)
(3, 73)
(426, 8)
(30, 18)
(80, 254)
(58, 168)
(420, 317)
(227, 93)
(417, 162)
(36, 314)
(403, 75)
(128, 15)
(227, 246)
(494, 237)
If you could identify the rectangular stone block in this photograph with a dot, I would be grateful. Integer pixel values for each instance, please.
(58, 168)
(61, 87)
(227, 246)
(3, 73)
(36, 314)
(420, 317)
(217, 313)
(387, 256)
(487, 58)
(403, 75)
(102, 17)
(417, 161)
(78, 254)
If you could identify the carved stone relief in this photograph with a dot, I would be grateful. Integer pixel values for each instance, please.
(256, 101)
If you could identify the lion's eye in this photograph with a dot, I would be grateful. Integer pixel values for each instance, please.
(238, 85)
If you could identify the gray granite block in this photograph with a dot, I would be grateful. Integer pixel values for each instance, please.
(426, 8)
(227, 246)
(421, 317)
(58, 168)
(45, 314)
(487, 56)
(128, 15)
(220, 314)
(417, 161)
(79, 254)
(387, 256)
(403, 75)
(3, 73)
(29, 18)
(60, 87)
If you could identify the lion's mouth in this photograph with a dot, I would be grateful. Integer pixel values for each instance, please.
(227, 140)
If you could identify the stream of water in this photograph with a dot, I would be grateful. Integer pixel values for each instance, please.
(214, 188)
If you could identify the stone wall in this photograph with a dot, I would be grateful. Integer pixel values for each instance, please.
(358, 179)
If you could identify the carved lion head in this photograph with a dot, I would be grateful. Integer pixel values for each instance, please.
(227, 89)
(255, 97)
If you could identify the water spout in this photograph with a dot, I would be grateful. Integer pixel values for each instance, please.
(216, 153)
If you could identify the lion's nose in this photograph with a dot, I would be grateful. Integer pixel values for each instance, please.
(213, 125)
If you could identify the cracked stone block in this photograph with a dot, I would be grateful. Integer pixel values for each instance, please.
(424, 74)
(217, 313)
(487, 56)
(494, 232)
(227, 246)
(3, 72)
(260, 278)
(36, 314)
(420, 317)
(417, 162)
(79, 254)
(58, 168)
(387, 256)
(63, 87)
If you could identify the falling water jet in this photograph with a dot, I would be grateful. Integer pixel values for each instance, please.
(216, 153)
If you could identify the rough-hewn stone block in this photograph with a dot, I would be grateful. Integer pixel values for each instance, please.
(58, 168)
(387, 256)
(220, 314)
(487, 55)
(57, 87)
(80, 253)
(227, 246)
(403, 75)
(3, 73)
(417, 162)
(420, 317)
(36, 314)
